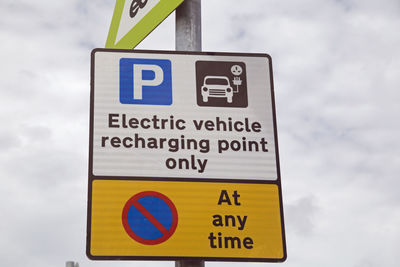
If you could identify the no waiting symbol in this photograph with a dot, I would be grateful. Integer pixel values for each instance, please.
(149, 218)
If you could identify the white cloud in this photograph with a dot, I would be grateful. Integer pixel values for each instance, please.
(336, 67)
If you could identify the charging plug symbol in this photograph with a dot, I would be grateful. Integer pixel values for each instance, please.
(237, 71)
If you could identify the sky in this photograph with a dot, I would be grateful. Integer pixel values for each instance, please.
(336, 70)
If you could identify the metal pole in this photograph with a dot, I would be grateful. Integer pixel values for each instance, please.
(189, 263)
(71, 264)
(188, 38)
(188, 26)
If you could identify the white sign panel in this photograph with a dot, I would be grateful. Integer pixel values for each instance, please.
(182, 115)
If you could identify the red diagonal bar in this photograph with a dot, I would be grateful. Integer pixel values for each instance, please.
(150, 217)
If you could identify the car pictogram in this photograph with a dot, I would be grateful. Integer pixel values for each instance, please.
(217, 86)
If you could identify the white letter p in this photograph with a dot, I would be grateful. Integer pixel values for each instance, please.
(138, 81)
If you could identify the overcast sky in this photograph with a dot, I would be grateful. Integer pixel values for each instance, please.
(337, 83)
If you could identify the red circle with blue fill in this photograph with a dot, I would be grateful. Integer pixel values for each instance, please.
(149, 218)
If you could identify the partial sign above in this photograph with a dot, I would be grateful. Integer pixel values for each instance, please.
(183, 157)
(133, 20)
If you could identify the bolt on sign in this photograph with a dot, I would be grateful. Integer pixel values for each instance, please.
(133, 20)
(183, 158)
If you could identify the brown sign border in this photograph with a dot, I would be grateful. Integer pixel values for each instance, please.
(207, 180)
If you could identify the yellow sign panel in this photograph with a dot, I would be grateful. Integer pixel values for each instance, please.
(212, 220)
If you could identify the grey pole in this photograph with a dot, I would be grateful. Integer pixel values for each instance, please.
(70, 264)
(188, 38)
(188, 26)
(189, 263)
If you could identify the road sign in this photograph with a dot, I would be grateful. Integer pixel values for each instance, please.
(133, 20)
(216, 221)
(183, 158)
(149, 218)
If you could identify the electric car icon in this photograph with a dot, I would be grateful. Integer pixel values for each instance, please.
(217, 86)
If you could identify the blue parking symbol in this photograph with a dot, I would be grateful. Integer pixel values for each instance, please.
(145, 81)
